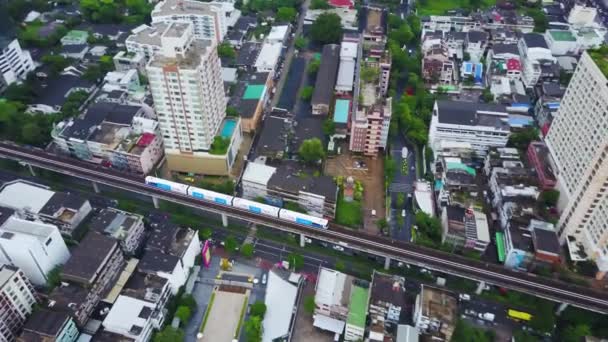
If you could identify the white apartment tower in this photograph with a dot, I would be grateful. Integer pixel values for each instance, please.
(17, 298)
(33, 246)
(578, 141)
(208, 19)
(15, 63)
(186, 84)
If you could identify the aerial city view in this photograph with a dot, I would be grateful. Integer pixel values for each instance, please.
(303, 170)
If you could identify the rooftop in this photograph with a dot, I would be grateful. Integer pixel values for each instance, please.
(473, 114)
(545, 240)
(505, 48)
(170, 239)
(562, 35)
(388, 288)
(280, 299)
(184, 7)
(289, 177)
(535, 40)
(600, 57)
(24, 195)
(144, 286)
(324, 86)
(258, 173)
(43, 323)
(157, 261)
(248, 53)
(190, 60)
(114, 222)
(88, 258)
(358, 306)
(440, 305)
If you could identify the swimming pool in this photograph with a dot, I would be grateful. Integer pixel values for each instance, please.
(228, 128)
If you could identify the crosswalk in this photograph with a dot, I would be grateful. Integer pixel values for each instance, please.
(400, 187)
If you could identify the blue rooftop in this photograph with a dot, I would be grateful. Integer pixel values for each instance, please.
(341, 111)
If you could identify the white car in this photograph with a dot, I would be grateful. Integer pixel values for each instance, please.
(464, 296)
(264, 279)
(338, 248)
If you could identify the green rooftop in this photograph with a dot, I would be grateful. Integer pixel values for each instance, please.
(562, 35)
(358, 306)
(77, 34)
(254, 92)
(600, 57)
(461, 166)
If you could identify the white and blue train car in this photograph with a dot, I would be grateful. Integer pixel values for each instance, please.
(304, 219)
(255, 207)
(210, 196)
(166, 185)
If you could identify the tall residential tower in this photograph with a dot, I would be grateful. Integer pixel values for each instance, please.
(578, 141)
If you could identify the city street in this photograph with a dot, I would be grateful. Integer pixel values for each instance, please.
(402, 183)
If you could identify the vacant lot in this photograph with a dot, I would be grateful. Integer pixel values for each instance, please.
(224, 316)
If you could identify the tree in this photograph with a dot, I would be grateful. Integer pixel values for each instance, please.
(370, 74)
(247, 250)
(296, 261)
(205, 233)
(225, 50)
(466, 56)
(487, 95)
(429, 226)
(523, 138)
(329, 127)
(53, 278)
(327, 29)
(309, 304)
(188, 301)
(286, 14)
(306, 93)
(339, 266)
(524, 336)
(311, 150)
(169, 334)
(230, 244)
(549, 197)
(300, 43)
(400, 200)
(313, 66)
(258, 309)
(390, 168)
(183, 313)
(253, 329)
(464, 332)
(231, 111)
(19, 93)
(32, 134)
(319, 4)
(56, 62)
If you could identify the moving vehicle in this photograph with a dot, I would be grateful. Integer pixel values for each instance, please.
(519, 315)
(487, 316)
(237, 202)
(404, 152)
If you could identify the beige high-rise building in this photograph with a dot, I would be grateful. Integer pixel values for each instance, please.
(578, 141)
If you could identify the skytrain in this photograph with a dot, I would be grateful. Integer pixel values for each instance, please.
(237, 202)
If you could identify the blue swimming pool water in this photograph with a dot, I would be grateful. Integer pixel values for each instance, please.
(228, 128)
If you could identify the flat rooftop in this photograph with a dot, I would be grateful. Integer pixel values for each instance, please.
(192, 59)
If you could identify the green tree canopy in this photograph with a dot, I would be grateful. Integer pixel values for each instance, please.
(286, 14)
(300, 43)
(311, 150)
(205, 233)
(247, 250)
(169, 334)
(225, 50)
(523, 138)
(230, 244)
(296, 261)
(309, 304)
(258, 309)
(183, 313)
(313, 66)
(306, 93)
(329, 127)
(549, 197)
(327, 29)
(254, 329)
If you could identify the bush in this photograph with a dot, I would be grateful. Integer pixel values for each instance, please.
(309, 304)
(183, 313)
(247, 250)
(219, 146)
(258, 309)
(306, 93)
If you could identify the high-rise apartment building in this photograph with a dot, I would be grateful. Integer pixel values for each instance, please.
(17, 298)
(186, 83)
(578, 141)
(14, 62)
(208, 19)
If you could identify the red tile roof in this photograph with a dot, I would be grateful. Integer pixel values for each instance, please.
(342, 3)
(145, 139)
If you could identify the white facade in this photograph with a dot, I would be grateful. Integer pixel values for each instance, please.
(178, 277)
(208, 19)
(133, 318)
(15, 63)
(33, 246)
(578, 141)
(268, 57)
(17, 298)
(278, 34)
(255, 180)
(532, 57)
(492, 131)
(186, 83)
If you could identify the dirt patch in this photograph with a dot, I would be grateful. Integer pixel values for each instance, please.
(371, 173)
(304, 330)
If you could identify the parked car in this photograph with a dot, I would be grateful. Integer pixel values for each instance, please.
(464, 296)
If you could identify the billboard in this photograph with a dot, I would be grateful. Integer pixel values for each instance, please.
(206, 253)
